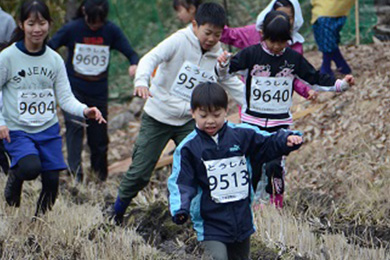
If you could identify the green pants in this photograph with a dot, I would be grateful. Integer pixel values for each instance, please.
(152, 139)
(217, 250)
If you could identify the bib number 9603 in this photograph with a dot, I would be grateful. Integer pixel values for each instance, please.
(91, 59)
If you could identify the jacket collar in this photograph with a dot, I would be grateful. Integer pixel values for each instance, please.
(220, 133)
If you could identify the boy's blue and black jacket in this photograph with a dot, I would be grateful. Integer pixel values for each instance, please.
(188, 185)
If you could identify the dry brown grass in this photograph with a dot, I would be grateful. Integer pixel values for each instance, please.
(337, 201)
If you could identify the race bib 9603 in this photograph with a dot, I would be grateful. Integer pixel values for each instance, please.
(90, 60)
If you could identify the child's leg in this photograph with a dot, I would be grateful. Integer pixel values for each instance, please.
(256, 175)
(47, 198)
(181, 132)
(239, 250)
(275, 172)
(4, 164)
(74, 144)
(341, 63)
(27, 168)
(326, 66)
(215, 250)
(74, 136)
(98, 142)
(152, 139)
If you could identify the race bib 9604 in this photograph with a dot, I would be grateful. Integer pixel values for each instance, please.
(36, 107)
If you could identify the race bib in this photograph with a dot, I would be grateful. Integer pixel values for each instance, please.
(271, 95)
(90, 60)
(36, 107)
(188, 77)
(228, 179)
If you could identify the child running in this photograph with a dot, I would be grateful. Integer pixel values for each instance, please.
(272, 67)
(184, 59)
(32, 76)
(328, 18)
(89, 39)
(211, 174)
(246, 36)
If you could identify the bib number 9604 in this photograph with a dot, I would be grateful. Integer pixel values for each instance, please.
(34, 108)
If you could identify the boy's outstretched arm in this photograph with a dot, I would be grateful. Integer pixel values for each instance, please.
(322, 82)
(267, 147)
(182, 186)
(163, 52)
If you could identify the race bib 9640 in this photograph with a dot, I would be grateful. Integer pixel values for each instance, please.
(271, 95)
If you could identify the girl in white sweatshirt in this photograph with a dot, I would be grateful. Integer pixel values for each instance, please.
(32, 76)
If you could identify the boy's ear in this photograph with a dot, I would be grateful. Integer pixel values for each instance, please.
(261, 33)
(194, 24)
(192, 113)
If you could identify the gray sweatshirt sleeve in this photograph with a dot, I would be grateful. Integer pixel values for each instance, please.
(64, 95)
(3, 81)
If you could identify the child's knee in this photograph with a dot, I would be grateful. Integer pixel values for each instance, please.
(29, 167)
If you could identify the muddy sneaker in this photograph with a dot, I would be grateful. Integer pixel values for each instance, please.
(13, 190)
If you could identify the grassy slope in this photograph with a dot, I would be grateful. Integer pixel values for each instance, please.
(338, 193)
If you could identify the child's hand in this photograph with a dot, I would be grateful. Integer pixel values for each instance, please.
(224, 59)
(312, 95)
(350, 80)
(94, 113)
(294, 140)
(4, 133)
(142, 92)
(181, 217)
(132, 70)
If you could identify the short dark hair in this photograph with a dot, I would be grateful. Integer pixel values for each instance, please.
(283, 3)
(276, 27)
(30, 7)
(96, 10)
(186, 4)
(209, 95)
(211, 13)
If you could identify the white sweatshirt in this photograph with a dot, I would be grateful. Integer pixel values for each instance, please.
(31, 86)
(170, 55)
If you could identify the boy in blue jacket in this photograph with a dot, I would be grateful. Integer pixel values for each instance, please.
(211, 174)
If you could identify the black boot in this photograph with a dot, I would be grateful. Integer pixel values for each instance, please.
(110, 214)
(13, 189)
